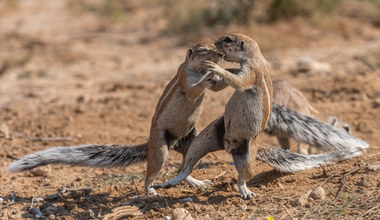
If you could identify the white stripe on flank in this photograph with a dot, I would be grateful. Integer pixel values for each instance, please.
(166, 95)
(268, 96)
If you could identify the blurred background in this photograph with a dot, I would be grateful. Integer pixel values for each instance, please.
(91, 71)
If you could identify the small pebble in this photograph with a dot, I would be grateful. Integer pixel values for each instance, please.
(363, 182)
(318, 194)
(187, 199)
(156, 205)
(91, 213)
(38, 199)
(242, 207)
(4, 131)
(181, 214)
(36, 212)
(235, 188)
(301, 201)
(167, 218)
(280, 185)
(51, 216)
(52, 209)
(41, 171)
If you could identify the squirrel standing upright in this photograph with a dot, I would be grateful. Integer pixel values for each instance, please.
(173, 125)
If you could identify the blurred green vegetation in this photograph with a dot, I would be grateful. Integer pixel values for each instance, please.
(287, 9)
(187, 16)
(116, 10)
(195, 15)
(192, 15)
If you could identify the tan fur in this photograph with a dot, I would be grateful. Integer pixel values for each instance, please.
(248, 110)
(179, 108)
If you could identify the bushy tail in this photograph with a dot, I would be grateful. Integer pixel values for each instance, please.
(95, 155)
(285, 122)
(286, 161)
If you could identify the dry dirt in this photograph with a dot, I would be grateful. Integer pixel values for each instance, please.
(69, 77)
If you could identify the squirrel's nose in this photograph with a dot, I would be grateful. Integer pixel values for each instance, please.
(220, 54)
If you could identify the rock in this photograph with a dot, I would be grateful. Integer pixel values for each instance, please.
(242, 207)
(167, 218)
(36, 212)
(41, 171)
(181, 214)
(156, 205)
(235, 188)
(376, 103)
(301, 201)
(39, 199)
(51, 216)
(309, 66)
(91, 213)
(318, 194)
(4, 131)
(363, 182)
(187, 199)
(51, 209)
(123, 212)
(280, 185)
(1, 200)
(207, 217)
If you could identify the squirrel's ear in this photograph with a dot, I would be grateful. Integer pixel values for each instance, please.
(242, 45)
(332, 120)
(189, 52)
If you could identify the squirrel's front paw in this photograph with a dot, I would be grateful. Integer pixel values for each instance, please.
(211, 66)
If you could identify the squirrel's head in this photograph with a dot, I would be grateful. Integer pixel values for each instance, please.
(237, 47)
(202, 52)
(340, 125)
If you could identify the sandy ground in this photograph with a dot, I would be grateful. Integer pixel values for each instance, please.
(77, 78)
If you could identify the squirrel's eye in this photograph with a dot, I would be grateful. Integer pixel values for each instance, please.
(228, 40)
(242, 47)
(203, 52)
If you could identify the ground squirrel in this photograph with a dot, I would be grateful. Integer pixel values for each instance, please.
(247, 114)
(173, 125)
(285, 94)
(248, 110)
(283, 121)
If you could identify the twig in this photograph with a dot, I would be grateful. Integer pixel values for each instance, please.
(13, 198)
(187, 190)
(60, 196)
(281, 197)
(344, 180)
(287, 211)
(370, 210)
(173, 165)
(9, 156)
(45, 139)
(215, 157)
(341, 186)
(324, 170)
(31, 206)
(219, 175)
(373, 155)
(330, 177)
(372, 167)
(137, 190)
